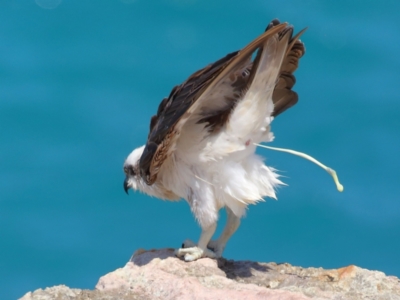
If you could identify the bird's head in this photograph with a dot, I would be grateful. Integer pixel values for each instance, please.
(131, 169)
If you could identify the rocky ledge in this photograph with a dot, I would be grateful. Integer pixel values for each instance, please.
(158, 274)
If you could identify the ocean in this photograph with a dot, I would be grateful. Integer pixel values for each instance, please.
(79, 81)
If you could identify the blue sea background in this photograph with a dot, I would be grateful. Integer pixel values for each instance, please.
(79, 81)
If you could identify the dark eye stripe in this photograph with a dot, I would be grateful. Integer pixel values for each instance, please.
(129, 170)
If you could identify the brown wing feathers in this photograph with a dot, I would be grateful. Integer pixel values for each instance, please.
(170, 111)
(283, 96)
(185, 98)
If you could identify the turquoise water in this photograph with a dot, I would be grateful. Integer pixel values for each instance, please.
(79, 81)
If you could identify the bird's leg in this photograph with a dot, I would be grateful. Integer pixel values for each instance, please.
(232, 224)
(200, 250)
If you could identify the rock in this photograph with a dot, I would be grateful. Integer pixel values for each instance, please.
(158, 274)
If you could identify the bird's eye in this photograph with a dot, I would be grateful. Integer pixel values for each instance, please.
(129, 170)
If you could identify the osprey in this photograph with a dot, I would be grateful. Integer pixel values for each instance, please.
(202, 141)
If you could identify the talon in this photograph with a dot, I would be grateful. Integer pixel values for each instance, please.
(194, 253)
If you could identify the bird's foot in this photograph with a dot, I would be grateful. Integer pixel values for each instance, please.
(216, 247)
(190, 251)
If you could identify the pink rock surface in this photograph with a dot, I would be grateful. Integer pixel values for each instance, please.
(160, 275)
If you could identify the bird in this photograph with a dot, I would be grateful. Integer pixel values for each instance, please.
(202, 142)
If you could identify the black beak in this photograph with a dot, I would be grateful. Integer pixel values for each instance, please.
(126, 186)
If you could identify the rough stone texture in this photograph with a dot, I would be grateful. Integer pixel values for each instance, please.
(158, 274)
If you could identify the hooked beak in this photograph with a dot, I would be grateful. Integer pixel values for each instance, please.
(126, 185)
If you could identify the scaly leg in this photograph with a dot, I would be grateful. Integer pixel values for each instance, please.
(232, 224)
(200, 250)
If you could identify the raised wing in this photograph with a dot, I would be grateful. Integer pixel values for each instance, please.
(230, 74)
